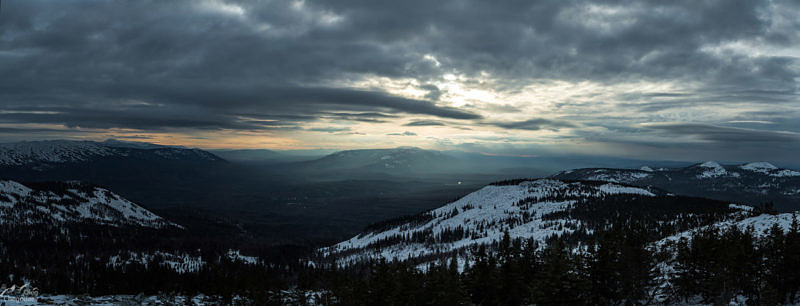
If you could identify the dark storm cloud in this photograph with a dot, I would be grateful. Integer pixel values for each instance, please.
(406, 133)
(25, 130)
(189, 65)
(360, 117)
(134, 137)
(277, 65)
(726, 134)
(330, 129)
(663, 101)
(534, 124)
(425, 123)
(211, 106)
(434, 93)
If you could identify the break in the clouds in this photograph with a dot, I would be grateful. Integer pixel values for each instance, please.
(643, 78)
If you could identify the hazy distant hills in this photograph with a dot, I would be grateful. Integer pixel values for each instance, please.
(264, 156)
(150, 174)
(399, 161)
(753, 183)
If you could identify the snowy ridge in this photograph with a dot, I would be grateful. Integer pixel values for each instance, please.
(763, 167)
(55, 151)
(480, 217)
(713, 169)
(613, 176)
(51, 203)
(750, 183)
(711, 164)
(768, 169)
(761, 225)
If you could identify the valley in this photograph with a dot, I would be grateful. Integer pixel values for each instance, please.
(182, 215)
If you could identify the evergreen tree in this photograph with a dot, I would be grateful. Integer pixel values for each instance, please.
(560, 280)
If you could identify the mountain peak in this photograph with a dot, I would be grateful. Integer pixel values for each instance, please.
(756, 166)
(710, 164)
(768, 169)
(712, 169)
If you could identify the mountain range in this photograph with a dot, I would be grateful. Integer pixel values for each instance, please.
(255, 202)
(44, 154)
(753, 183)
(530, 217)
(537, 209)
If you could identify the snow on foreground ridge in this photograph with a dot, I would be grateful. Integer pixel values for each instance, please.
(71, 202)
(480, 217)
(761, 225)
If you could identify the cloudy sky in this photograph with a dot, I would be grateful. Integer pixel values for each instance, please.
(681, 80)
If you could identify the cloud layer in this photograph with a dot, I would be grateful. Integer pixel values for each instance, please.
(511, 76)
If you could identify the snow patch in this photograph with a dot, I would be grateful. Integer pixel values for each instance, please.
(710, 164)
(617, 189)
(741, 207)
(618, 176)
(714, 170)
(235, 255)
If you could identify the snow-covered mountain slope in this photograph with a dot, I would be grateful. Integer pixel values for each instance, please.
(712, 169)
(36, 153)
(760, 224)
(70, 202)
(482, 217)
(752, 183)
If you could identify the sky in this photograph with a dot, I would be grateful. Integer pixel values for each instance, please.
(676, 80)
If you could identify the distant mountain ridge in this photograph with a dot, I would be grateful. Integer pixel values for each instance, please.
(402, 160)
(752, 183)
(35, 153)
(141, 172)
